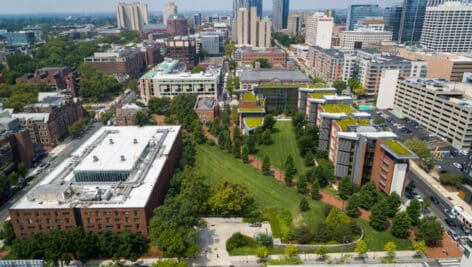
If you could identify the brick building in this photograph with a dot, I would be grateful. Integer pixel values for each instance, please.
(177, 25)
(326, 63)
(206, 109)
(183, 49)
(125, 115)
(275, 56)
(48, 120)
(58, 78)
(113, 181)
(118, 60)
(15, 145)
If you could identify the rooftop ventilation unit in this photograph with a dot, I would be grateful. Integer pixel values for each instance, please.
(95, 158)
(135, 141)
(111, 141)
(122, 157)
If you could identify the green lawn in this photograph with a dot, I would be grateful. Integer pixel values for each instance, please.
(284, 144)
(219, 166)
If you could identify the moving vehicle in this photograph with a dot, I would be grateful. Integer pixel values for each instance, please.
(457, 165)
(453, 235)
(255, 224)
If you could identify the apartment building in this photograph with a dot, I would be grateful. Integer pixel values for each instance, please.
(319, 30)
(441, 107)
(328, 64)
(170, 78)
(132, 16)
(58, 78)
(247, 55)
(113, 181)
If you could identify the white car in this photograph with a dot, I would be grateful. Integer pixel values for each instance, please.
(457, 165)
(419, 198)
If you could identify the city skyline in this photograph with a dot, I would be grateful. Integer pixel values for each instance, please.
(91, 6)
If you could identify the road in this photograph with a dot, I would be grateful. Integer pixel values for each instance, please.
(71, 144)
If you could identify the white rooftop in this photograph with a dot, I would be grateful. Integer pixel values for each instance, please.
(59, 188)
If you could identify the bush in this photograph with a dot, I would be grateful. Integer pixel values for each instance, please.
(264, 240)
(238, 240)
(304, 205)
(451, 179)
(322, 233)
(303, 235)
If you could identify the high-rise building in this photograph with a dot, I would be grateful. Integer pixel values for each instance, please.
(438, 2)
(448, 27)
(169, 10)
(253, 24)
(280, 9)
(294, 24)
(265, 32)
(177, 25)
(243, 26)
(132, 16)
(411, 23)
(358, 39)
(357, 12)
(319, 30)
(237, 4)
(392, 18)
(197, 19)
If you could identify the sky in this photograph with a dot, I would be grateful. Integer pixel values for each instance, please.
(82, 6)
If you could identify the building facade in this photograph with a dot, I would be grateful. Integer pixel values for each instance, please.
(350, 40)
(206, 109)
(275, 56)
(357, 12)
(20, 38)
(58, 78)
(237, 4)
(326, 63)
(183, 49)
(448, 28)
(392, 19)
(319, 30)
(86, 191)
(411, 23)
(132, 16)
(168, 10)
(118, 60)
(280, 10)
(177, 25)
(212, 43)
(294, 24)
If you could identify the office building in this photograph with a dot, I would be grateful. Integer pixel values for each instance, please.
(62, 79)
(294, 24)
(448, 28)
(169, 79)
(350, 40)
(113, 181)
(275, 56)
(440, 107)
(251, 30)
(411, 23)
(392, 19)
(449, 66)
(358, 12)
(183, 49)
(253, 26)
(300, 51)
(212, 43)
(15, 144)
(387, 89)
(197, 19)
(319, 30)
(371, 24)
(206, 109)
(177, 25)
(168, 10)
(237, 4)
(265, 33)
(243, 26)
(48, 120)
(326, 63)
(132, 16)
(20, 38)
(280, 9)
(118, 60)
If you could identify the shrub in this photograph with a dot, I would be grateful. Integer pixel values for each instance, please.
(451, 179)
(303, 235)
(238, 240)
(304, 205)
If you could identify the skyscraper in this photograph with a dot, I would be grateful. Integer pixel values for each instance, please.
(243, 26)
(280, 9)
(392, 18)
(253, 23)
(411, 23)
(169, 10)
(319, 30)
(357, 12)
(265, 32)
(448, 27)
(132, 16)
(237, 4)
(251, 30)
(294, 24)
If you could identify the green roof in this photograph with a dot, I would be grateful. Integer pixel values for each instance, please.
(350, 121)
(253, 122)
(248, 97)
(397, 147)
(339, 108)
(295, 86)
(319, 95)
(149, 74)
(249, 110)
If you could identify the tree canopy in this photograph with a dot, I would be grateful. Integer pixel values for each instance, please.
(97, 85)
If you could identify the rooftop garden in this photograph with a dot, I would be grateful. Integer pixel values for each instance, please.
(397, 147)
(250, 110)
(253, 122)
(249, 97)
(350, 121)
(339, 108)
(291, 86)
(319, 95)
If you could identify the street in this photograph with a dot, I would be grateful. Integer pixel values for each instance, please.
(70, 145)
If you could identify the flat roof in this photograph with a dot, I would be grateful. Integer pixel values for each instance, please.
(274, 74)
(59, 189)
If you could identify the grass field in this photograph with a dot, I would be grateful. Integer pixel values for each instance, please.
(284, 144)
(219, 166)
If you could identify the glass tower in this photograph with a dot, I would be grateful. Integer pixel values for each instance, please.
(237, 4)
(392, 18)
(411, 23)
(280, 9)
(357, 12)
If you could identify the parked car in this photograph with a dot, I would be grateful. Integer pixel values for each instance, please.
(453, 235)
(450, 222)
(419, 198)
(255, 224)
(457, 165)
(434, 200)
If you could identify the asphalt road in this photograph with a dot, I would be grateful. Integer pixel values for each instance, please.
(71, 145)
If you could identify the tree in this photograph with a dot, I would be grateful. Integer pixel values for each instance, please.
(322, 233)
(323, 172)
(378, 217)
(262, 252)
(336, 217)
(231, 199)
(159, 106)
(197, 134)
(265, 64)
(345, 188)
(414, 211)
(236, 141)
(304, 205)
(352, 207)
(77, 126)
(229, 49)
(245, 154)
(268, 123)
(451, 179)
(301, 185)
(170, 263)
(291, 251)
(394, 203)
(419, 247)
(96, 85)
(430, 230)
(340, 86)
(361, 248)
(266, 137)
(309, 159)
(199, 68)
(141, 118)
(322, 251)
(420, 148)
(202, 54)
(368, 195)
(266, 166)
(7, 233)
(315, 190)
(390, 248)
(290, 170)
(401, 225)
(303, 234)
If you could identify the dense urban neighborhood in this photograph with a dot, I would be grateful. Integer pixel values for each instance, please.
(237, 133)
